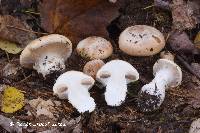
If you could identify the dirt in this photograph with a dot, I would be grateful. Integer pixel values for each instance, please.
(175, 114)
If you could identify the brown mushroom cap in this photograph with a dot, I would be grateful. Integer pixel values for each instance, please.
(141, 40)
(53, 43)
(171, 66)
(92, 67)
(94, 48)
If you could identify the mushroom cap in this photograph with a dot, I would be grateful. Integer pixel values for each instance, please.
(53, 43)
(173, 67)
(117, 67)
(141, 40)
(92, 67)
(167, 55)
(94, 48)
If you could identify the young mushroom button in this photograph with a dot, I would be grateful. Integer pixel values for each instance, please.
(115, 75)
(141, 40)
(74, 86)
(167, 74)
(47, 54)
(94, 48)
(92, 67)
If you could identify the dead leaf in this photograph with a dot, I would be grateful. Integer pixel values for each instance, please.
(78, 19)
(43, 107)
(179, 41)
(72, 125)
(55, 130)
(183, 15)
(6, 124)
(197, 40)
(10, 47)
(196, 68)
(10, 30)
(12, 100)
(10, 69)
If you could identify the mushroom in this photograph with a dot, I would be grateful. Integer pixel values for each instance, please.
(141, 40)
(167, 55)
(94, 48)
(167, 74)
(74, 86)
(47, 54)
(92, 67)
(115, 75)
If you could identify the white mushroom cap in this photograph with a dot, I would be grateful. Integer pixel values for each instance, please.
(94, 48)
(141, 40)
(174, 69)
(74, 85)
(195, 126)
(92, 67)
(115, 75)
(47, 53)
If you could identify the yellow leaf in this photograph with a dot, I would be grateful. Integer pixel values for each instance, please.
(9, 47)
(12, 100)
(197, 40)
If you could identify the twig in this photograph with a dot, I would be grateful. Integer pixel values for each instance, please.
(186, 65)
(8, 57)
(24, 79)
(10, 26)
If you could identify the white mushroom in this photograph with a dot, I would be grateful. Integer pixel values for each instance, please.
(141, 40)
(46, 54)
(115, 75)
(167, 74)
(74, 86)
(92, 67)
(94, 48)
(167, 55)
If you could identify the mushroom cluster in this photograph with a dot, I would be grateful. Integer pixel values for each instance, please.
(48, 54)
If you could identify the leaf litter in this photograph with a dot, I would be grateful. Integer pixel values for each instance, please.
(81, 19)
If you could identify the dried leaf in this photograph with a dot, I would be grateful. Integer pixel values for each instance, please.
(10, 30)
(6, 124)
(197, 40)
(10, 69)
(10, 47)
(72, 125)
(179, 41)
(43, 107)
(78, 19)
(12, 101)
(183, 15)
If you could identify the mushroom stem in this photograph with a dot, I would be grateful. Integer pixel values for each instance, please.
(80, 99)
(154, 92)
(116, 89)
(49, 63)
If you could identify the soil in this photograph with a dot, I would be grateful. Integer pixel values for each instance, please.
(175, 114)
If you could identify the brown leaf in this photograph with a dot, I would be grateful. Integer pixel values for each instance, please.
(9, 125)
(183, 15)
(78, 19)
(179, 41)
(10, 30)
